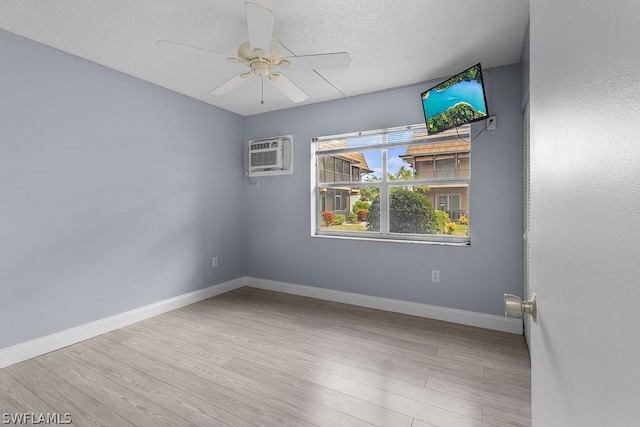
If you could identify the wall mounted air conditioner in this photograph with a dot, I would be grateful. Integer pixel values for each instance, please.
(270, 156)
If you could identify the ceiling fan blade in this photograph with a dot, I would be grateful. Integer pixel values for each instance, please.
(166, 44)
(260, 23)
(287, 87)
(230, 84)
(320, 62)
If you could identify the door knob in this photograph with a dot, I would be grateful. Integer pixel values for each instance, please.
(514, 306)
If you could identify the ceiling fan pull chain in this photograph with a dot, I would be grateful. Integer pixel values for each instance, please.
(262, 79)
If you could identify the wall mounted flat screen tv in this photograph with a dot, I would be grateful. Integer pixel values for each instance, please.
(456, 101)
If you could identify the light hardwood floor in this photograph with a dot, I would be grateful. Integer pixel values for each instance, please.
(253, 357)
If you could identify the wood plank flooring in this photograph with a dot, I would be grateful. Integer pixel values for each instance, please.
(258, 358)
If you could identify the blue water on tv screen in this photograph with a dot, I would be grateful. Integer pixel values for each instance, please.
(456, 101)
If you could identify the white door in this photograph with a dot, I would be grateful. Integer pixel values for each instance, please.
(585, 254)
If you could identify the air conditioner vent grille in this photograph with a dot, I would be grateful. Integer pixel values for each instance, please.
(263, 146)
(264, 158)
(270, 156)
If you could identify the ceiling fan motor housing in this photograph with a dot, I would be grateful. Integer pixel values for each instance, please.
(260, 68)
(255, 59)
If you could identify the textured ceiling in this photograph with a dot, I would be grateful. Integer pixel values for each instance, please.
(391, 43)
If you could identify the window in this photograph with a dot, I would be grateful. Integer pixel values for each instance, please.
(450, 204)
(394, 184)
(355, 173)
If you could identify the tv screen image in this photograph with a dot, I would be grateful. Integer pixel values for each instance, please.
(456, 101)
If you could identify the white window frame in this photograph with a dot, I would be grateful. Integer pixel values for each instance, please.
(384, 234)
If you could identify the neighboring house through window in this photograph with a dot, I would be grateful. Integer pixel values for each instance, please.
(398, 183)
(447, 159)
(344, 168)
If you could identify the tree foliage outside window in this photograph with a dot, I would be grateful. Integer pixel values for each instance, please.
(409, 212)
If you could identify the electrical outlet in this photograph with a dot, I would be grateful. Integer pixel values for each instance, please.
(214, 261)
(255, 184)
(435, 276)
(492, 123)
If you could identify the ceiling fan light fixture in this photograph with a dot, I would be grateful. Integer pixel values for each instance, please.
(260, 68)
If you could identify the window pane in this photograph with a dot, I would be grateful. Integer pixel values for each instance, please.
(370, 195)
(454, 202)
(333, 169)
(338, 204)
(463, 165)
(411, 211)
(446, 166)
(451, 204)
(349, 203)
(405, 135)
(355, 176)
(366, 165)
(363, 141)
(330, 163)
(423, 167)
(342, 169)
(449, 159)
(398, 166)
(329, 177)
(369, 162)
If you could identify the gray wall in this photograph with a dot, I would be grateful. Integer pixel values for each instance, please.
(114, 193)
(278, 244)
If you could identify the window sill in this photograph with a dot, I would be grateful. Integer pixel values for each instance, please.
(373, 239)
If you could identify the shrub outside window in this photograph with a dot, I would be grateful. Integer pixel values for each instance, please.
(398, 183)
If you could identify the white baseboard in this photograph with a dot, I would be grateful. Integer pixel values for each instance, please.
(38, 346)
(481, 320)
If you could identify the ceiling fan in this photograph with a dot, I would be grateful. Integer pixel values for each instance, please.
(262, 55)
